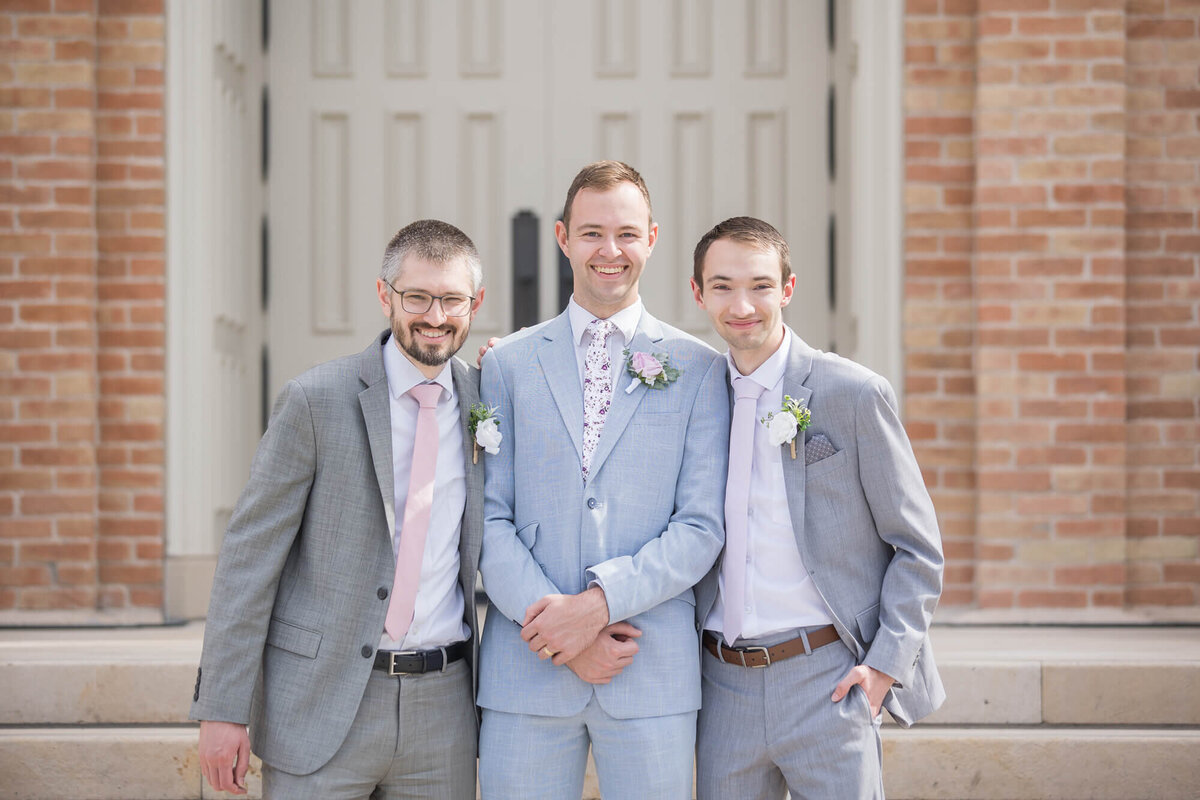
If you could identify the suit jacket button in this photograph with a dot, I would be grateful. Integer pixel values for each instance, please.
(591, 502)
(382, 593)
(366, 651)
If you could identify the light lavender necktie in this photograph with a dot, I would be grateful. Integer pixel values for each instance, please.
(417, 509)
(737, 503)
(597, 387)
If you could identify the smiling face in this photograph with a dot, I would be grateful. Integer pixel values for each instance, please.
(610, 239)
(429, 340)
(744, 294)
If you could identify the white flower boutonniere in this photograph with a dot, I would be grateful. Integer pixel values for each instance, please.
(485, 430)
(652, 369)
(785, 424)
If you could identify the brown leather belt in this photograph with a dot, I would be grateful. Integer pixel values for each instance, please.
(766, 656)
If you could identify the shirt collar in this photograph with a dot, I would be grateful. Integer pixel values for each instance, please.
(626, 320)
(402, 374)
(770, 372)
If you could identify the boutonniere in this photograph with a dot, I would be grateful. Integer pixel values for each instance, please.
(484, 425)
(784, 425)
(652, 369)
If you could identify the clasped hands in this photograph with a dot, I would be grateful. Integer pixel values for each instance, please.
(573, 629)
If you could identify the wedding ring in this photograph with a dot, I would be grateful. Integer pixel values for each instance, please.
(549, 653)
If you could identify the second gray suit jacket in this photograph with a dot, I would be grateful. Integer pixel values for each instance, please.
(296, 612)
(865, 526)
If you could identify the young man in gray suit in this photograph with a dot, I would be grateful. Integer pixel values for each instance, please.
(600, 516)
(346, 578)
(832, 563)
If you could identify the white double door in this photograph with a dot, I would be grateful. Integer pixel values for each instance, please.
(471, 111)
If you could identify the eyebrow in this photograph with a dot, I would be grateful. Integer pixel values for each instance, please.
(597, 226)
(754, 279)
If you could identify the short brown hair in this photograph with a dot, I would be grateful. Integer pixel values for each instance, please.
(747, 230)
(602, 176)
(432, 240)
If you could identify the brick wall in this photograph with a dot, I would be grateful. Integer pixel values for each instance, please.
(81, 282)
(1051, 296)
(1162, 198)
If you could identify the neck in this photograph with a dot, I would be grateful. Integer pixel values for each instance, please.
(603, 311)
(749, 360)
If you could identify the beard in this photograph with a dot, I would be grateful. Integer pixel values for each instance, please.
(429, 354)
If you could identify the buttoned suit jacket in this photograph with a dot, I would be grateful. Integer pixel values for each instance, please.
(647, 523)
(299, 598)
(864, 524)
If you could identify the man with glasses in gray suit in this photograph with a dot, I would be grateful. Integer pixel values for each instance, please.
(345, 583)
(817, 615)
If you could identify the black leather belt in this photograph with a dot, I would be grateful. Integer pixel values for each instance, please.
(416, 662)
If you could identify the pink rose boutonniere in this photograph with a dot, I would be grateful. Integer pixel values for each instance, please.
(652, 369)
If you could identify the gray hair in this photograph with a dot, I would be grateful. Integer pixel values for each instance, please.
(432, 240)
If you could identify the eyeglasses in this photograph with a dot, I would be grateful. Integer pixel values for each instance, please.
(453, 305)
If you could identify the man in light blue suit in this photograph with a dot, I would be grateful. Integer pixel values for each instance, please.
(818, 613)
(601, 511)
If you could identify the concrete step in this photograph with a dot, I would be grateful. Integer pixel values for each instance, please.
(993, 676)
(930, 763)
(1032, 713)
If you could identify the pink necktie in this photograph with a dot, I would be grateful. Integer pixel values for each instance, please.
(417, 508)
(737, 503)
(597, 387)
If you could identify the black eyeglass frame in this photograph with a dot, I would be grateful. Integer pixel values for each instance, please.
(439, 297)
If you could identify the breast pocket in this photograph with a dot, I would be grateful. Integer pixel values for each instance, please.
(826, 466)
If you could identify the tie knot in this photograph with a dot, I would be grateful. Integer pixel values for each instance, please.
(601, 329)
(427, 394)
(747, 387)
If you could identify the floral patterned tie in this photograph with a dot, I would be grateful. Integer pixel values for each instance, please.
(597, 387)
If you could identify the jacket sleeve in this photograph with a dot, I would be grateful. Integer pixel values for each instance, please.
(256, 546)
(905, 519)
(512, 578)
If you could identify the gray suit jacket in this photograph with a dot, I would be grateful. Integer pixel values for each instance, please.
(295, 615)
(865, 526)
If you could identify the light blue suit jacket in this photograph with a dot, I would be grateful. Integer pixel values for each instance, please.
(865, 526)
(647, 524)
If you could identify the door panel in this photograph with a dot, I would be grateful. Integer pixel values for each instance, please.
(471, 111)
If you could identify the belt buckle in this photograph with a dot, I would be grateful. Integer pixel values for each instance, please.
(763, 650)
(392, 671)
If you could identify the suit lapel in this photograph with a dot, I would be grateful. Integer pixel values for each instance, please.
(649, 332)
(561, 371)
(466, 384)
(377, 415)
(799, 366)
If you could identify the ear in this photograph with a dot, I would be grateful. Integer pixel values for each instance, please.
(478, 302)
(560, 233)
(653, 236)
(697, 294)
(789, 288)
(385, 296)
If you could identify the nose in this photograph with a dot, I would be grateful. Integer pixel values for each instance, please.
(608, 247)
(741, 305)
(435, 316)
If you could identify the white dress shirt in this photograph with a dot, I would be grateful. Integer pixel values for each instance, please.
(438, 612)
(626, 320)
(779, 594)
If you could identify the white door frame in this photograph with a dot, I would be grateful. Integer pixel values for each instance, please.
(876, 175)
(214, 319)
